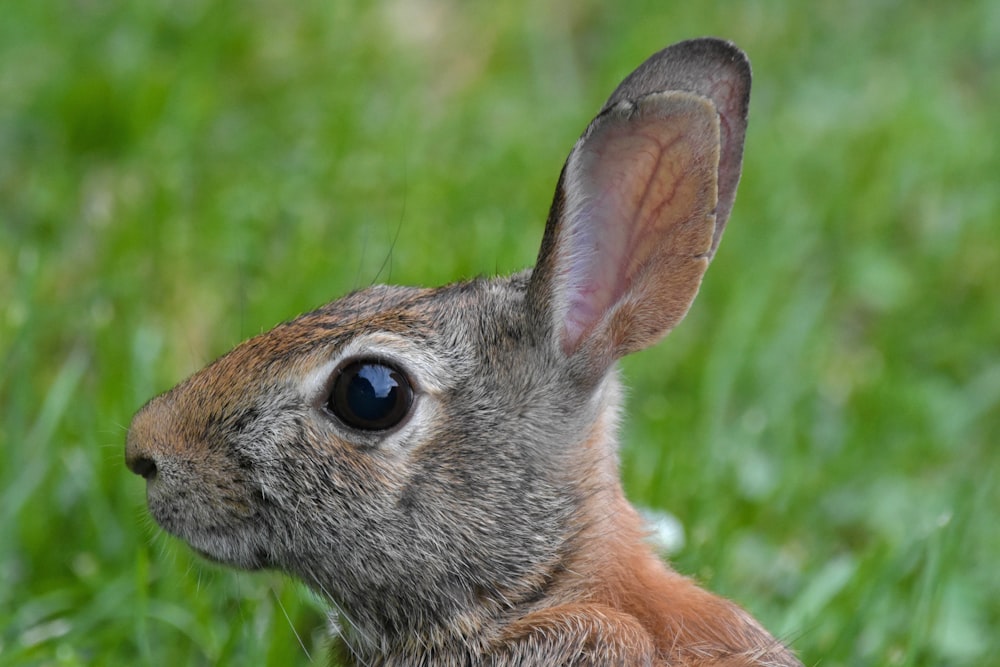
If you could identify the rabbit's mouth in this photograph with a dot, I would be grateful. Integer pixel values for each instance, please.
(235, 546)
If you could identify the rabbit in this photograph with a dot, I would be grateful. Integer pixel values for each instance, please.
(441, 464)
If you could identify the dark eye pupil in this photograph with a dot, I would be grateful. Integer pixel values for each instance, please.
(371, 396)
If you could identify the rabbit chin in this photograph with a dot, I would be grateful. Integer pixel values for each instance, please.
(231, 550)
(256, 559)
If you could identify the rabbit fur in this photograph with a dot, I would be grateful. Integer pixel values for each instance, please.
(488, 526)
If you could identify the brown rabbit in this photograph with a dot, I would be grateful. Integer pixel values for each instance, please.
(441, 464)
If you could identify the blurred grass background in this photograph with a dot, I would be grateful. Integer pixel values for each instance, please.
(177, 176)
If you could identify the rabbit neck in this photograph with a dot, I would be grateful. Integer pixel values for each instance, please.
(610, 565)
(616, 568)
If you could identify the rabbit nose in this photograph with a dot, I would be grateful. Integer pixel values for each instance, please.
(141, 453)
(138, 458)
(143, 466)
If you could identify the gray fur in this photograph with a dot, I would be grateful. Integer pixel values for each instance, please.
(434, 540)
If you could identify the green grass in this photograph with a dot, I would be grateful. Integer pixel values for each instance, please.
(175, 177)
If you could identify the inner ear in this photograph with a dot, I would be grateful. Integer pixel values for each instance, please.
(641, 204)
(712, 68)
(638, 222)
(631, 228)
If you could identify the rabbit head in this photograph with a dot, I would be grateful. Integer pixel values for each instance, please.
(435, 461)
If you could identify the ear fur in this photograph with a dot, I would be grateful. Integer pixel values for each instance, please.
(642, 202)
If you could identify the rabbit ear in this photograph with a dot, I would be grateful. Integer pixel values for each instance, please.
(642, 201)
(712, 68)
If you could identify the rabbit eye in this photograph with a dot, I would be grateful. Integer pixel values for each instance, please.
(370, 396)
